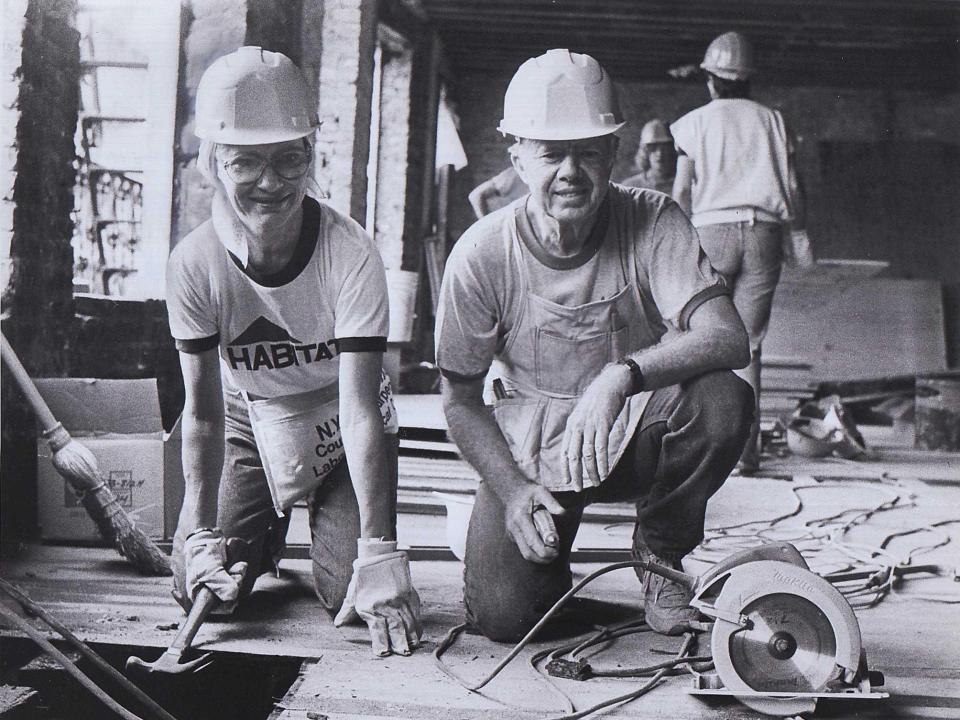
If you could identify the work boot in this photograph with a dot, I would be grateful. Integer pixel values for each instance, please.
(666, 603)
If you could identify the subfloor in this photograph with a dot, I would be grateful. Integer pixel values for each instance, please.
(833, 510)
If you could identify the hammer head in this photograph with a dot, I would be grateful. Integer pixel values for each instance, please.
(169, 663)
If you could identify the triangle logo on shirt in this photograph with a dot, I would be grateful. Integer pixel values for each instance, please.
(264, 345)
(262, 330)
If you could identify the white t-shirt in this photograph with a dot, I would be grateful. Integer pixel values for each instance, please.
(283, 333)
(480, 293)
(740, 150)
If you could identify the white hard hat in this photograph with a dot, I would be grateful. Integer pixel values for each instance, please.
(821, 428)
(253, 97)
(560, 95)
(729, 56)
(655, 131)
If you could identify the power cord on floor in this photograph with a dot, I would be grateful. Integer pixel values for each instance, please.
(660, 669)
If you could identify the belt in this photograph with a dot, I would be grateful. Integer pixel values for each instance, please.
(735, 215)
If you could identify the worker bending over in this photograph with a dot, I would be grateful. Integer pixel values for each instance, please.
(738, 180)
(656, 159)
(611, 340)
(278, 305)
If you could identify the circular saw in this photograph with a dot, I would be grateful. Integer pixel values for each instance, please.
(782, 635)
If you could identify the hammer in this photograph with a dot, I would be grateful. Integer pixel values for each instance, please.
(171, 662)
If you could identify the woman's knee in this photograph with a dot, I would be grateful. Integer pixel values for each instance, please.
(330, 585)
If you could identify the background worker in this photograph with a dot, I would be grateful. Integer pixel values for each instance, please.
(656, 159)
(497, 192)
(737, 178)
(278, 305)
(611, 339)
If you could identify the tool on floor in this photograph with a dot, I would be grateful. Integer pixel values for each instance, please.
(31, 609)
(171, 662)
(782, 637)
(78, 466)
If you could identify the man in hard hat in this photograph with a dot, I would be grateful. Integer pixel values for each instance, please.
(656, 159)
(610, 339)
(278, 305)
(737, 178)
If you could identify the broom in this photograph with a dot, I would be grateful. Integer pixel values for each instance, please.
(78, 466)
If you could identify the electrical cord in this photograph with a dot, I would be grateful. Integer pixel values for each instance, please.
(818, 537)
(639, 692)
(661, 669)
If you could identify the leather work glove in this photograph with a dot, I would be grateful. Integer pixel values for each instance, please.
(205, 554)
(382, 595)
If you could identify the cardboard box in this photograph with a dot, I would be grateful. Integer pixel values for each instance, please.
(119, 421)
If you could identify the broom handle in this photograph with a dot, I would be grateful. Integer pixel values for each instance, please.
(39, 405)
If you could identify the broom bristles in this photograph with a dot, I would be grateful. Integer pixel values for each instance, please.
(117, 528)
(78, 466)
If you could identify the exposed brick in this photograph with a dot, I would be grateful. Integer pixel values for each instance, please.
(349, 34)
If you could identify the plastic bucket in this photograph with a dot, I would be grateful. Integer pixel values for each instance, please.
(459, 508)
(938, 412)
(402, 293)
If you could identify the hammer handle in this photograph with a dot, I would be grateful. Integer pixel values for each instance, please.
(204, 603)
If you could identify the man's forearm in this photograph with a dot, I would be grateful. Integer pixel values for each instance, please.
(692, 353)
(479, 439)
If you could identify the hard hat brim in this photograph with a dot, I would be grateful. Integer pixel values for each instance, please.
(559, 133)
(233, 136)
(727, 74)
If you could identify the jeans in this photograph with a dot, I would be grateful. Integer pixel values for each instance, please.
(687, 442)
(245, 510)
(748, 256)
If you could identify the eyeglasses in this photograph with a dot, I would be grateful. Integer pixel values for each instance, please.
(289, 165)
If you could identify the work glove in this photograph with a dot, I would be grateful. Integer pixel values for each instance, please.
(205, 554)
(382, 595)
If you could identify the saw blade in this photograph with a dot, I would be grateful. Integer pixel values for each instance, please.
(788, 645)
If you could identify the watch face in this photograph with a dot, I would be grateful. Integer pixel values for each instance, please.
(635, 374)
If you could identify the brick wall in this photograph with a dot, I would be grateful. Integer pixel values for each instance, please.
(392, 167)
(346, 75)
(36, 219)
(12, 18)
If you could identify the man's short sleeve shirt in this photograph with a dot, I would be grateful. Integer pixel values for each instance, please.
(640, 236)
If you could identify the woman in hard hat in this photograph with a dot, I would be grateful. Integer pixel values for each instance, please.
(278, 305)
(738, 180)
(656, 159)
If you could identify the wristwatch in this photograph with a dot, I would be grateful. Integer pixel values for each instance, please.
(636, 375)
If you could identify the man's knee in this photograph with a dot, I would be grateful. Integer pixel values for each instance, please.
(725, 406)
(498, 618)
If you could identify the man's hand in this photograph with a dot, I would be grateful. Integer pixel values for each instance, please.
(205, 555)
(518, 514)
(382, 595)
(588, 427)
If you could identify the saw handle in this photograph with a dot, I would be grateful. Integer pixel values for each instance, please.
(22, 378)
(678, 576)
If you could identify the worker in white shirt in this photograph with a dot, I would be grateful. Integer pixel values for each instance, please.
(737, 179)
